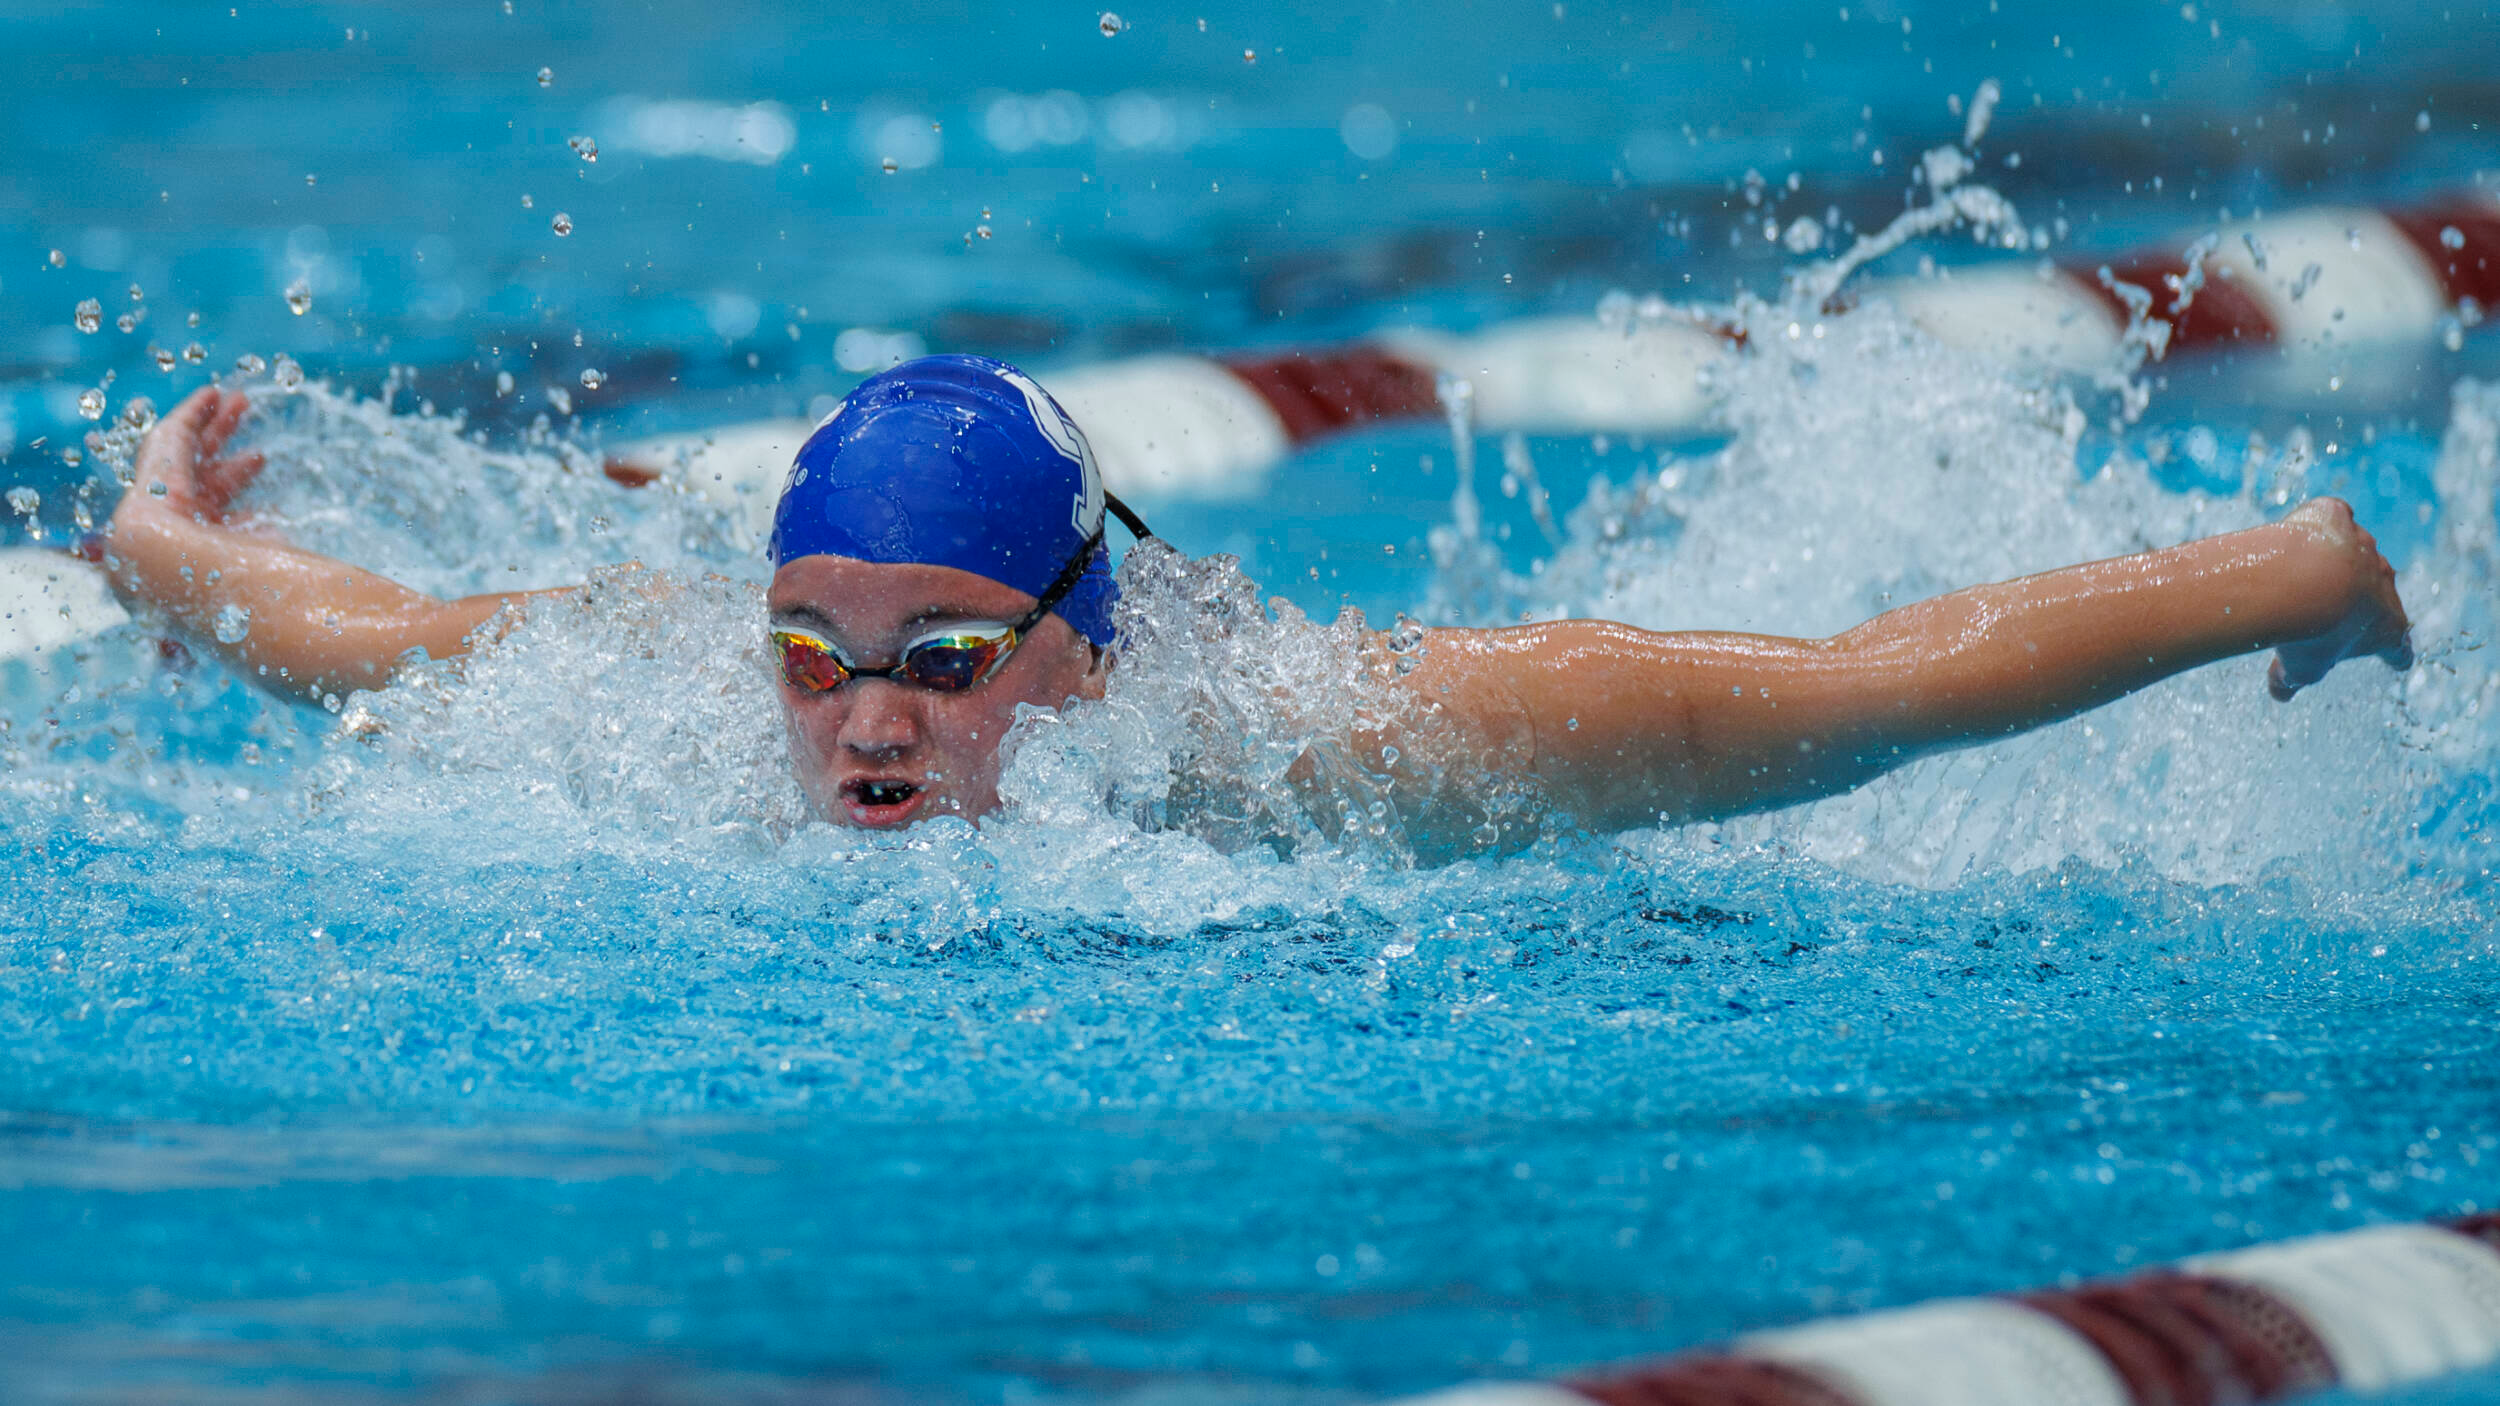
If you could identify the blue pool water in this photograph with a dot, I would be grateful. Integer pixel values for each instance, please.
(529, 1046)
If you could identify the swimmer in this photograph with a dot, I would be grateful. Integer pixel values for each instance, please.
(939, 560)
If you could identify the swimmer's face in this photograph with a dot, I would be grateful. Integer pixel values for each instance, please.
(885, 752)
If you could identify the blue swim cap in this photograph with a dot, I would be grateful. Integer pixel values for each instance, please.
(954, 461)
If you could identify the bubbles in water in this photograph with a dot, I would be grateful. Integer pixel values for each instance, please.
(299, 297)
(1368, 131)
(91, 403)
(1804, 236)
(1249, 56)
(59, 259)
(24, 501)
(562, 224)
(232, 625)
(90, 315)
(250, 364)
(2450, 237)
(561, 399)
(194, 353)
(286, 373)
(1111, 24)
(889, 165)
(192, 321)
(2422, 121)
(127, 322)
(981, 230)
(527, 203)
(546, 77)
(593, 378)
(503, 383)
(165, 359)
(137, 295)
(585, 148)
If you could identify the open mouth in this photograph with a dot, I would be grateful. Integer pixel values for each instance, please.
(880, 801)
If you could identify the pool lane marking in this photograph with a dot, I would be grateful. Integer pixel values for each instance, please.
(2364, 1309)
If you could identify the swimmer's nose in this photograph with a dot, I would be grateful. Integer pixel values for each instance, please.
(881, 722)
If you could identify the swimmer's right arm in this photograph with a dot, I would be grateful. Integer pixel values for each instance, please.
(317, 625)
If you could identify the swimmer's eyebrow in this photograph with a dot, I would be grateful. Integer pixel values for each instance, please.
(803, 615)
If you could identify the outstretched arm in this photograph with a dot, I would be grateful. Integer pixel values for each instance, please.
(1624, 727)
(316, 625)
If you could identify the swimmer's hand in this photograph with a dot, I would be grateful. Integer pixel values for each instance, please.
(181, 467)
(2356, 588)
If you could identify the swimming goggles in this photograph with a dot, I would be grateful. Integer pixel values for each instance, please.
(948, 660)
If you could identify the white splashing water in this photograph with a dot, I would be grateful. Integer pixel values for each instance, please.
(1869, 467)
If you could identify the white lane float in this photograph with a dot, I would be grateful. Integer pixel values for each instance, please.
(2364, 1311)
(1208, 428)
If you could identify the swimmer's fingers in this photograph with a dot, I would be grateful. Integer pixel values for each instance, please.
(221, 479)
(231, 406)
(168, 461)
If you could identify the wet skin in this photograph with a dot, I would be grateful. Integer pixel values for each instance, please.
(884, 752)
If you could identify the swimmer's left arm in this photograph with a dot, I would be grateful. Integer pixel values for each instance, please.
(1626, 727)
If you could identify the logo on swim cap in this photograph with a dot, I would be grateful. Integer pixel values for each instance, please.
(1064, 436)
(957, 461)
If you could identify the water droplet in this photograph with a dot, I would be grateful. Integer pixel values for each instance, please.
(527, 203)
(91, 403)
(59, 259)
(890, 165)
(1249, 56)
(584, 148)
(73, 458)
(250, 364)
(1111, 24)
(561, 399)
(232, 625)
(127, 322)
(25, 500)
(1571, 724)
(593, 378)
(192, 321)
(90, 315)
(546, 77)
(195, 353)
(139, 414)
(503, 383)
(137, 296)
(286, 373)
(299, 297)
(2450, 237)
(562, 224)
(981, 230)
(165, 360)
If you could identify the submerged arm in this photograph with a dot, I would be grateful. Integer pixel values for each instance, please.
(316, 625)
(1626, 727)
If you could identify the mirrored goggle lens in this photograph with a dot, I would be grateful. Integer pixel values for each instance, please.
(809, 664)
(952, 663)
